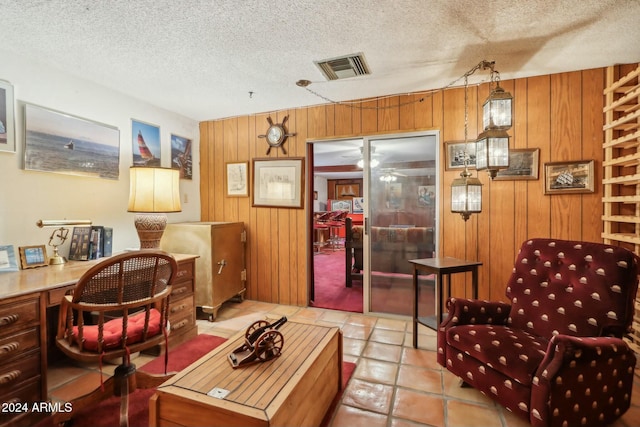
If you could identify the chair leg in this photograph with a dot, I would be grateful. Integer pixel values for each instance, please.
(124, 401)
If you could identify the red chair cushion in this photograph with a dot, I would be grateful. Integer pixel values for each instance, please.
(112, 332)
(514, 353)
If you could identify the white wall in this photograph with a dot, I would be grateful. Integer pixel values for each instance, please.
(27, 196)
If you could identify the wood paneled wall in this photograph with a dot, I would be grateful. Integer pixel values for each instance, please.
(561, 114)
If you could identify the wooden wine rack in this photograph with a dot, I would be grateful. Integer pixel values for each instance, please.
(621, 165)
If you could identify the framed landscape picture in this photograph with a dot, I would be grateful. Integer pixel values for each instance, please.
(62, 143)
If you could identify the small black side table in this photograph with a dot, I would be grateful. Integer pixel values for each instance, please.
(444, 266)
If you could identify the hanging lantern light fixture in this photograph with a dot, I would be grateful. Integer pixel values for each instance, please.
(492, 146)
(466, 191)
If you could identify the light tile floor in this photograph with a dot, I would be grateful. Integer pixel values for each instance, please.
(394, 385)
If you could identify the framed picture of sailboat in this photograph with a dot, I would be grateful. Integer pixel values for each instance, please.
(145, 140)
(569, 177)
(62, 143)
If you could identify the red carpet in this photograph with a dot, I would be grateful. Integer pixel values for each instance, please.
(390, 293)
(106, 413)
(330, 284)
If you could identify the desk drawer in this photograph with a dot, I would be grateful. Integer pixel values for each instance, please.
(178, 308)
(19, 314)
(16, 344)
(26, 393)
(22, 369)
(55, 296)
(185, 271)
(181, 289)
(182, 320)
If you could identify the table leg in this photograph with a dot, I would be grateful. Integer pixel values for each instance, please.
(439, 298)
(415, 308)
(474, 282)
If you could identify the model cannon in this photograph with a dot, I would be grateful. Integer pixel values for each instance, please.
(262, 342)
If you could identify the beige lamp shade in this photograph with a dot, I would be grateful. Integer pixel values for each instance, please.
(154, 190)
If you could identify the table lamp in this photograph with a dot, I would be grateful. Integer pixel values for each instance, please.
(152, 193)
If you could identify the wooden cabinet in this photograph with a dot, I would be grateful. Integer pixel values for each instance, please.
(20, 358)
(220, 268)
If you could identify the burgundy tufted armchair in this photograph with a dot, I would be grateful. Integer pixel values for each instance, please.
(554, 355)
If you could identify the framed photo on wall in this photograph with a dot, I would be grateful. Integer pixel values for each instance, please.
(237, 179)
(341, 205)
(33, 256)
(523, 164)
(457, 151)
(569, 177)
(145, 144)
(181, 156)
(62, 143)
(7, 122)
(278, 182)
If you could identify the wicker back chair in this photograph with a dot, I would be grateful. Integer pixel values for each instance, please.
(119, 306)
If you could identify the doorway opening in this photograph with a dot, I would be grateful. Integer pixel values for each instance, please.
(375, 207)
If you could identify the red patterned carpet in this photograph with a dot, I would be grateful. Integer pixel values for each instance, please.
(391, 292)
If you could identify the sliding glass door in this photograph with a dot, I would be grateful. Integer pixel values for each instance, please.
(402, 196)
(389, 186)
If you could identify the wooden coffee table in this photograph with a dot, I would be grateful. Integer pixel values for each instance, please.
(295, 389)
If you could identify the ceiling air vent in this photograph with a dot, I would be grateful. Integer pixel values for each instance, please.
(344, 67)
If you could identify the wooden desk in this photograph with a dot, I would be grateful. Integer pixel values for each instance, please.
(440, 267)
(295, 389)
(25, 296)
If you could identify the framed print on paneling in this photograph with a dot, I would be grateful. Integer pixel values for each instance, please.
(569, 177)
(457, 151)
(278, 182)
(237, 179)
(523, 164)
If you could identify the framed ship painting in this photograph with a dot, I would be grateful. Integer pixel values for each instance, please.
(63, 143)
(569, 177)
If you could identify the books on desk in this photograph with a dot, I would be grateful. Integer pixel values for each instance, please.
(91, 242)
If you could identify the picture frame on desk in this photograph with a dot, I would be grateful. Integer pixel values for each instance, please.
(33, 256)
(8, 261)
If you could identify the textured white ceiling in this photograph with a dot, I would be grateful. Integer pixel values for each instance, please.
(201, 58)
